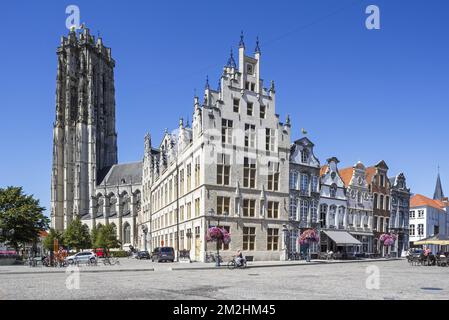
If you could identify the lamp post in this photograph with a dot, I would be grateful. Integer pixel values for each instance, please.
(285, 230)
(145, 233)
(211, 214)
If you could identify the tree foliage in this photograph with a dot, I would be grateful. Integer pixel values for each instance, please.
(21, 217)
(77, 235)
(107, 237)
(49, 240)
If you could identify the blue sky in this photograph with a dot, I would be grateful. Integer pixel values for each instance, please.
(361, 95)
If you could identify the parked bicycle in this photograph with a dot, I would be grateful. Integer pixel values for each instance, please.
(212, 257)
(110, 261)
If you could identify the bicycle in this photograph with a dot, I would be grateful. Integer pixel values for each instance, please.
(212, 257)
(110, 261)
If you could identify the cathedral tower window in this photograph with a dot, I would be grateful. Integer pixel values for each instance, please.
(249, 108)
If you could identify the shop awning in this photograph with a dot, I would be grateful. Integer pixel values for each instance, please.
(436, 239)
(342, 238)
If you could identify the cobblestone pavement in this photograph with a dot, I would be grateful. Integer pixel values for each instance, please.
(397, 280)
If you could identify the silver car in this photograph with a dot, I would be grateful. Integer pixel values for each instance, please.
(82, 257)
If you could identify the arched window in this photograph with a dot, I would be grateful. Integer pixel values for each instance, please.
(304, 183)
(114, 227)
(112, 205)
(381, 202)
(100, 206)
(125, 203)
(138, 201)
(126, 233)
(333, 191)
(387, 203)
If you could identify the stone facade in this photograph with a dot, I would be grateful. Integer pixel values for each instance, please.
(304, 191)
(399, 216)
(229, 168)
(360, 206)
(85, 139)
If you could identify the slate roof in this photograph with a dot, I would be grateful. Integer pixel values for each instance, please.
(438, 195)
(125, 173)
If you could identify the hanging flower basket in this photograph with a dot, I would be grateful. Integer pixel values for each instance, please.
(388, 239)
(218, 234)
(309, 236)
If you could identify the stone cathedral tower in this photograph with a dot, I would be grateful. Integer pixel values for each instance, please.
(84, 136)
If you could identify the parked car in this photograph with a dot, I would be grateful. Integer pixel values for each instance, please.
(82, 257)
(163, 254)
(143, 255)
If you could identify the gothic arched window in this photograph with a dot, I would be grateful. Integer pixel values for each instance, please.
(126, 233)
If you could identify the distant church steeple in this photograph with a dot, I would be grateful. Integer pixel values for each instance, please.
(438, 195)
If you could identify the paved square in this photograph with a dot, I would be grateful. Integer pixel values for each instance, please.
(398, 280)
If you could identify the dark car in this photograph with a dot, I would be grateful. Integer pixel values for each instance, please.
(163, 254)
(143, 255)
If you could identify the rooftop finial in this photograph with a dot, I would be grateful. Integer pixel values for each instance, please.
(231, 61)
(207, 82)
(241, 43)
(287, 121)
(257, 50)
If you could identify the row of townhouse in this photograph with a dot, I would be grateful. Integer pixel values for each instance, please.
(351, 207)
(235, 167)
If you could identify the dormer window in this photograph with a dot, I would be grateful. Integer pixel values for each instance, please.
(304, 156)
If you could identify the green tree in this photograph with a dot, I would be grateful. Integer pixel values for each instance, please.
(94, 235)
(77, 235)
(21, 217)
(107, 238)
(49, 240)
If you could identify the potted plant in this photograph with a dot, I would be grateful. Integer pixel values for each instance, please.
(218, 235)
(307, 237)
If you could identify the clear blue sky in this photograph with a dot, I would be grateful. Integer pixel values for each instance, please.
(362, 95)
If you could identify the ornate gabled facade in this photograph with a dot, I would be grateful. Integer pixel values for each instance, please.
(86, 180)
(230, 168)
(304, 190)
(360, 206)
(399, 212)
(333, 199)
(379, 185)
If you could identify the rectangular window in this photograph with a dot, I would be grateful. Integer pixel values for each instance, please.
(197, 171)
(181, 182)
(315, 184)
(253, 87)
(420, 213)
(375, 223)
(226, 131)
(412, 214)
(249, 173)
(223, 205)
(223, 169)
(247, 85)
(293, 180)
(272, 239)
(236, 105)
(273, 210)
(270, 139)
(273, 177)
(181, 213)
(250, 135)
(189, 211)
(249, 108)
(197, 207)
(304, 183)
(249, 208)
(420, 229)
(189, 177)
(262, 112)
(249, 238)
(412, 229)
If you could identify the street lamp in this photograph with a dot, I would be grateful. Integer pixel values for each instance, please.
(145, 233)
(285, 230)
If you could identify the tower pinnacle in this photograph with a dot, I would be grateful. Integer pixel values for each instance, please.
(438, 195)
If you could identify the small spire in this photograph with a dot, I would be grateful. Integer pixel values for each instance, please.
(438, 194)
(287, 121)
(181, 123)
(207, 83)
(241, 43)
(272, 88)
(257, 50)
(231, 61)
